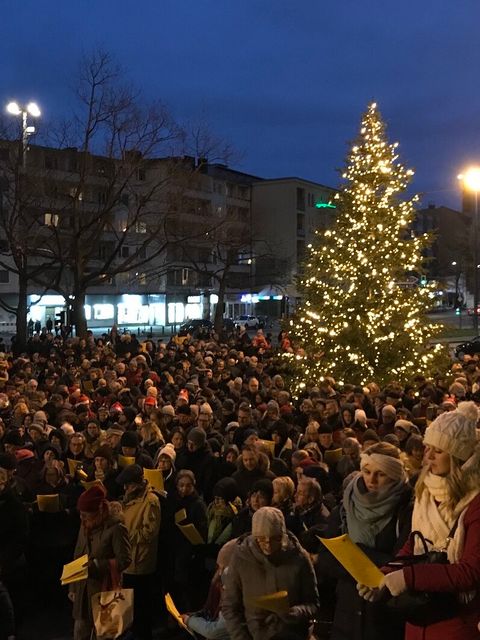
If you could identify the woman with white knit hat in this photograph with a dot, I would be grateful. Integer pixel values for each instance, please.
(376, 514)
(447, 513)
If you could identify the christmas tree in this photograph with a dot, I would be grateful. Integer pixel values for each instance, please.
(363, 316)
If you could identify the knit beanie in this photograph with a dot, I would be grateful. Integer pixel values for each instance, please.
(169, 451)
(226, 488)
(404, 425)
(91, 499)
(454, 431)
(263, 486)
(130, 439)
(268, 522)
(198, 436)
(168, 410)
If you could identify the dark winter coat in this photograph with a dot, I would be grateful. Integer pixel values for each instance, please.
(14, 528)
(356, 619)
(202, 463)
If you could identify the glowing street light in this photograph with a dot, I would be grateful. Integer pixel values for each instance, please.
(31, 109)
(471, 182)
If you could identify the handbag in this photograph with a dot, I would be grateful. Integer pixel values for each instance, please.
(423, 608)
(112, 607)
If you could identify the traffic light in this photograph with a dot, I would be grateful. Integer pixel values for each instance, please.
(423, 281)
(458, 311)
(60, 318)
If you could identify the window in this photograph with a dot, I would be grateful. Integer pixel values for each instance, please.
(300, 199)
(125, 199)
(141, 175)
(102, 197)
(4, 276)
(300, 224)
(125, 252)
(243, 193)
(50, 162)
(140, 227)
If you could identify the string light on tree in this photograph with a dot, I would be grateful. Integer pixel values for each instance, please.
(359, 322)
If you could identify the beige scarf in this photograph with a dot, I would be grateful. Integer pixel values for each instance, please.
(435, 520)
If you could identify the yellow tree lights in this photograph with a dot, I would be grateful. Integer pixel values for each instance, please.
(362, 318)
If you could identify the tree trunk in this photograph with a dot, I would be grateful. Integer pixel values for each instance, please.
(78, 313)
(21, 322)
(218, 322)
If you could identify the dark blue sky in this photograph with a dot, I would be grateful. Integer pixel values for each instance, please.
(284, 80)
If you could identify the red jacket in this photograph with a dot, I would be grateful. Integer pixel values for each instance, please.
(461, 576)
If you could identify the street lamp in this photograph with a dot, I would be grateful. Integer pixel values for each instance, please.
(32, 109)
(471, 182)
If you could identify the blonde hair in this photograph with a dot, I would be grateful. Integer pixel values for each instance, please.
(285, 485)
(457, 484)
(151, 429)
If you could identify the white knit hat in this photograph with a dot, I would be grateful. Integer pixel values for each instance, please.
(360, 416)
(168, 410)
(168, 450)
(268, 522)
(455, 431)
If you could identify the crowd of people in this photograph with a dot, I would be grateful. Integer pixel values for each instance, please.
(248, 479)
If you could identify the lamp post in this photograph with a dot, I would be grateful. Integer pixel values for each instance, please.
(471, 182)
(32, 109)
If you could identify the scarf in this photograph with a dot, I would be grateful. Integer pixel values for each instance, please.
(435, 519)
(367, 513)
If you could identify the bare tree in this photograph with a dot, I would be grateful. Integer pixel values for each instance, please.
(111, 208)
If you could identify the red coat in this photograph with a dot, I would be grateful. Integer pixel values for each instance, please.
(461, 576)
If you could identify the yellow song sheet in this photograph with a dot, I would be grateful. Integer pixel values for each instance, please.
(332, 455)
(154, 477)
(276, 602)
(180, 516)
(49, 503)
(75, 571)
(92, 483)
(125, 461)
(173, 611)
(73, 466)
(191, 533)
(354, 560)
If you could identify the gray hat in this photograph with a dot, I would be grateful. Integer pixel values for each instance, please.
(268, 522)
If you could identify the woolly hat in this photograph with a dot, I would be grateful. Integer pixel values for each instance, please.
(404, 425)
(37, 426)
(91, 499)
(268, 522)
(150, 401)
(40, 416)
(133, 474)
(455, 431)
(116, 406)
(130, 439)
(226, 488)
(264, 486)
(168, 410)
(198, 436)
(169, 451)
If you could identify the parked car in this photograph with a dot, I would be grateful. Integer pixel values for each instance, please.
(195, 327)
(468, 348)
(250, 322)
(200, 327)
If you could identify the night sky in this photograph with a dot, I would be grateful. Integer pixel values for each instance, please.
(285, 81)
